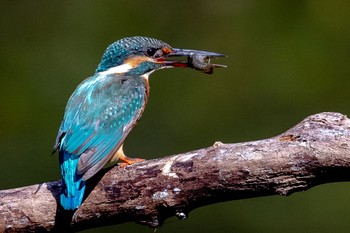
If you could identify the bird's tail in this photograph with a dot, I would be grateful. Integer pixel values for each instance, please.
(73, 185)
(70, 202)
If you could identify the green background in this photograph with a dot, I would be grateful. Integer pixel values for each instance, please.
(286, 60)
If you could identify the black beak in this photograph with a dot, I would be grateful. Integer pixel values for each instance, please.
(197, 59)
(192, 52)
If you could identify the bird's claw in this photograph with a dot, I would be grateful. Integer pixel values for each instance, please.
(128, 161)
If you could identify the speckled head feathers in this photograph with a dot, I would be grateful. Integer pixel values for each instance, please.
(122, 49)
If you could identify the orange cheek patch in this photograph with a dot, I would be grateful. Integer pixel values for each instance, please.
(135, 61)
(167, 50)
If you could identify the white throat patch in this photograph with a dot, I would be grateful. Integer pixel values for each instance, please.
(121, 69)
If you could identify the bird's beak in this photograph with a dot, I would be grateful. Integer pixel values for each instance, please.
(197, 59)
(191, 52)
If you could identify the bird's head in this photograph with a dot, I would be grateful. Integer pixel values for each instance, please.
(143, 55)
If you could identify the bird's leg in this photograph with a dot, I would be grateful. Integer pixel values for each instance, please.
(119, 155)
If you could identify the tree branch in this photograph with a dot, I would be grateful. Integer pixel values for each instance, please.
(315, 151)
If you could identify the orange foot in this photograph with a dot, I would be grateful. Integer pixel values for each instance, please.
(128, 161)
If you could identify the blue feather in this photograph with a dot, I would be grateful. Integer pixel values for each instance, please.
(99, 115)
(73, 185)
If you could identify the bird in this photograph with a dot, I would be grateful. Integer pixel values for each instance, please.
(105, 107)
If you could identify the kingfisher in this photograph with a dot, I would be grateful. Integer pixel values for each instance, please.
(105, 107)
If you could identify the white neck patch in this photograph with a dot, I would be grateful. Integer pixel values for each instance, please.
(121, 69)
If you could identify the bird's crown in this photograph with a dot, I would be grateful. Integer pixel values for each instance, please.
(124, 50)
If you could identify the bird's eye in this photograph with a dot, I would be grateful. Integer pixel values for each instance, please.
(151, 51)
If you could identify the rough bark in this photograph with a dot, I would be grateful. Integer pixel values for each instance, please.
(315, 151)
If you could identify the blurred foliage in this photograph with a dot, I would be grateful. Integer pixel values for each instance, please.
(286, 60)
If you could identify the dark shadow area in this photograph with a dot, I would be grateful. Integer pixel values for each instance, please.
(63, 218)
(93, 181)
(332, 174)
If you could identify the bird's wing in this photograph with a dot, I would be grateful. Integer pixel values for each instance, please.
(98, 117)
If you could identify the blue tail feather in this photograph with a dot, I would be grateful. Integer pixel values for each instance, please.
(70, 202)
(73, 187)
